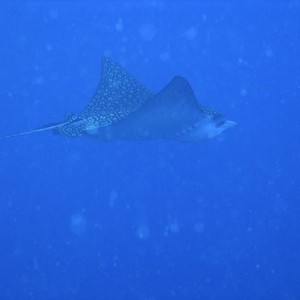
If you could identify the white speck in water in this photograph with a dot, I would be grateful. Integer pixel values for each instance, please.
(113, 198)
(53, 14)
(147, 32)
(199, 227)
(174, 228)
(268, 53)
(143, 233)
(49, 47)
(77, 224)
(243, 92)
(191, 33)
(119, 25)
(38, 81)
(165, 56)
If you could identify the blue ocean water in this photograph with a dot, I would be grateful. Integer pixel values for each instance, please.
(83, 219)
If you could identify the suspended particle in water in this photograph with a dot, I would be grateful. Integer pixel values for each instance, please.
(143, 233)
(243, 92)
(77, 224)
(165, 56)
(112, 198)
(199, 227)
(268, 53)
(53, 14)
(119, 25)
(191, 33)
(174, 228)
(147, 32)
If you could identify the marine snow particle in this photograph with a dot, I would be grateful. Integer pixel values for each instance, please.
(77, 224)
(119, 25)
(147, 32)
(199, 227)
(143, 233)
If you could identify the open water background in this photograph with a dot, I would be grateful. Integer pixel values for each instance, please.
(82, 219)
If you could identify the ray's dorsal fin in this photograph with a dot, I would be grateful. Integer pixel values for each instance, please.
(117, 96)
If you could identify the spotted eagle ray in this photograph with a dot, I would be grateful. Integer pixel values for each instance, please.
(124, 109)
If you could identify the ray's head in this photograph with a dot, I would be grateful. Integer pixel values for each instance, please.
(207, 127)
(215, 125)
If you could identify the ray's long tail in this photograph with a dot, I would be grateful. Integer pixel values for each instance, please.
(44, 128)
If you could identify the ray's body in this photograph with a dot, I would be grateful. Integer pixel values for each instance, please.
(123, 109)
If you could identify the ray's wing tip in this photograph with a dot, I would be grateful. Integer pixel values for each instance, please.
(179, 78)
(106, 58)
(105, 61)
(181, 83)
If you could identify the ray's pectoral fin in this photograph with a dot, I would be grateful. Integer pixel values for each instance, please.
(117, 96)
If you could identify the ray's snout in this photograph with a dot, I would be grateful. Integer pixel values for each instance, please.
(207, 128)
(228, 124)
